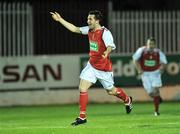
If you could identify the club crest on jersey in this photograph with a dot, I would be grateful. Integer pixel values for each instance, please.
(93, 46)
(150, 57)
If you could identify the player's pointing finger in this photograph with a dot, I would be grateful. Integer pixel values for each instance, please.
(51, 13)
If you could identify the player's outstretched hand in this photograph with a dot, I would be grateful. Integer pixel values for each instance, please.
(56, 16)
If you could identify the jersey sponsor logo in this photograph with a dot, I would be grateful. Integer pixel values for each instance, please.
(150, 63)
(93, 46)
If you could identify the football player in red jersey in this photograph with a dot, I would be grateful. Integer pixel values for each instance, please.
(150, 63)
(99, 66)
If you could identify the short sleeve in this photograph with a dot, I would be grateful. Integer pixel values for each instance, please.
(108, 39)
(137, 54)
(84, 30)
(162, 58)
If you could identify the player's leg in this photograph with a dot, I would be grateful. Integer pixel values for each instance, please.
(83, 97)
(156, 84)
(106, 79)
(151, 82)
(87, 78)
(155, 94)
(147, 84)
(83, 101)
(156, 99)
(118, 92)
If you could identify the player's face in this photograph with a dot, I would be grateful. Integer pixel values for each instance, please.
(92, 22)
(151, 45)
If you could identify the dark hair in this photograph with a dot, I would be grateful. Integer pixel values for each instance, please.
(152, 39)
(97, 14)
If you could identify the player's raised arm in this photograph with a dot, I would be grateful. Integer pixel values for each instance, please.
(57, 17)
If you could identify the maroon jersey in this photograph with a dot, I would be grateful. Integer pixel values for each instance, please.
(97, 48)
(150, 60)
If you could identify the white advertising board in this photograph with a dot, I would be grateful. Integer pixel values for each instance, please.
(39, 72)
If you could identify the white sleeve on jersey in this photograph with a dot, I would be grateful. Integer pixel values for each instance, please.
(162, 57)
(107, 36)
(137, 54)
(84, 30)
(108, 39)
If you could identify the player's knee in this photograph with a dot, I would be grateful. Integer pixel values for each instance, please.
(155, 92)
(111, 91)
(81, 89)
(151, 94)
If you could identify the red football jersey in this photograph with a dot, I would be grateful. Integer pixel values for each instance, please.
(150, 61)
(97, 48)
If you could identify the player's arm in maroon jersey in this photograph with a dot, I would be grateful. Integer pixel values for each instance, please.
(162, 67)
(57, 17)
(138, 66)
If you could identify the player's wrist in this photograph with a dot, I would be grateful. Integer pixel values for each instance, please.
(161, 70)
(140, 71)
(59, 20)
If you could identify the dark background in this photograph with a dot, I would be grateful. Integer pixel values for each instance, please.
(146, 4)
(52, 38)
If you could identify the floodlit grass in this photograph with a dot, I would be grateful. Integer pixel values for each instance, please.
(102, 119)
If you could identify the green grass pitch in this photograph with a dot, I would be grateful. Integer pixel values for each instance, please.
(102, 119)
